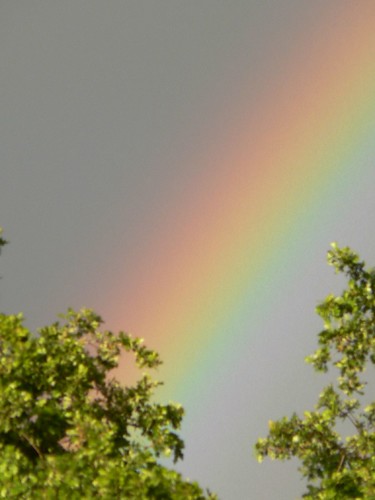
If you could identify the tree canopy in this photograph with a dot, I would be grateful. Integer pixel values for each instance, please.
(68, 429)
(337, 464)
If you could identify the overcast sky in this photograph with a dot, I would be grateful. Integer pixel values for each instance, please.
(102, 103)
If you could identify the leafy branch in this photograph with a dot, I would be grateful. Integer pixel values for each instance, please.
(335, 466)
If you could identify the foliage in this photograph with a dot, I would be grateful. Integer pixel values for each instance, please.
(68, 430)
(335, 465)
(2, 241)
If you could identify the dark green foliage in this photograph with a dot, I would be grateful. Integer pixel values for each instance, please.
(69, 430)
(337, 466)
(2, 241)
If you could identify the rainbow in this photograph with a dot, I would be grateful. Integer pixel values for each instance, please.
(270, 170)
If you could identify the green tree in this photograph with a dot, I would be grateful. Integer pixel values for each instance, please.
(2, 241)
(69, 430)
(336, 464)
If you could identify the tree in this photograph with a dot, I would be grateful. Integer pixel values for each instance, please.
(69, 430)
(2, 241)
(337, 464)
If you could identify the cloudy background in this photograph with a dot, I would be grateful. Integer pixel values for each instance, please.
(102, 106)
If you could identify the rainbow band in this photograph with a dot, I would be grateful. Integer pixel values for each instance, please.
(278, 171)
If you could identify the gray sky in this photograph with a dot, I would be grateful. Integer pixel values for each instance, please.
(101, 104)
